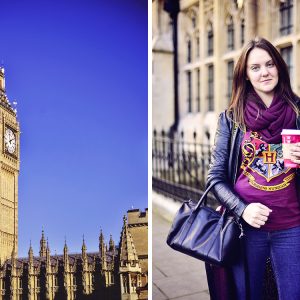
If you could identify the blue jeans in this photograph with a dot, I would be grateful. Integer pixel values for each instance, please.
(283, 247)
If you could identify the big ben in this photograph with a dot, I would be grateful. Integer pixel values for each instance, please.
(9, 172)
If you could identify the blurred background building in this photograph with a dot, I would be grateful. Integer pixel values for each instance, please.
(211, 34)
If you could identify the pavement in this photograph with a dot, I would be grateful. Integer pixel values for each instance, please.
(175, 275)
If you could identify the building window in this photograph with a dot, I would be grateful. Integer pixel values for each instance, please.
(197, 46)
(230, 35)
(230, 66)
(210, 41)
(189, 81)
(286, 17)
(242, 31)
(198, 91)
(194, 21)
(286, 54)
(210, 96)
(189, 51)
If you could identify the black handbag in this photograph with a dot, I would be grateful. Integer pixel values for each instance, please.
(204, 233)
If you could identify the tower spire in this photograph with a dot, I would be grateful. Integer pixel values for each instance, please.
(127, 249)
(30, 253)
(43, 245)
(2, 79)
(83, 248)
(102, 250)
(111, 244)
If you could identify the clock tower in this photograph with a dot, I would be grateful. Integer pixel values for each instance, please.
(9, 172)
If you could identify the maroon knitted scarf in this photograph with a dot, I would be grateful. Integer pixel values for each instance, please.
(270, 121)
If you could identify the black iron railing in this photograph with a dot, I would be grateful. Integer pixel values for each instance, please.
(179, 167)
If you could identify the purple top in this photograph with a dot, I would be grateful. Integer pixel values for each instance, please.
(263, 178)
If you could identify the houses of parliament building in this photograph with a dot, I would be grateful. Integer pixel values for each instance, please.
(113, 272)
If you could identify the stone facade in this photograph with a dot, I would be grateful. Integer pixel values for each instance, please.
(211, 34)
(114, 272)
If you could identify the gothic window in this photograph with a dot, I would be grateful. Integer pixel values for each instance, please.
(210, 96)
(230, 65)
(20, 283)
(189, 51)
(286, 17)
(55, 281)
(210, 41)
(189, 86)
(286, 54)
(38, 282)
(198, 90)
(74, 280)
(230, 35)
(242, 31)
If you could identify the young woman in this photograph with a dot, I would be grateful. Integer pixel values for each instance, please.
(255, 185)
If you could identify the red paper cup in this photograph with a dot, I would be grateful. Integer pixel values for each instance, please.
(289, 137)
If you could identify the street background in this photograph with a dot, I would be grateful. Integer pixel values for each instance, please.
(175, 275)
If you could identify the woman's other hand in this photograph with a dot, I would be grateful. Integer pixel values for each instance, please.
(256, 214)
(295, 153)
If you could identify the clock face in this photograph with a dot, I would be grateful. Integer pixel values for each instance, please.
(10, 141)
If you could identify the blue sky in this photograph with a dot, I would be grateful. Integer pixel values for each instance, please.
(78, 71)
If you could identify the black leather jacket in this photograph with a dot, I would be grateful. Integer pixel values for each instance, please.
(225, 163)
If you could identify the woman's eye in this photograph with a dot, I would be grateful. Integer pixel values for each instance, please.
(270, 65)
(255, 68)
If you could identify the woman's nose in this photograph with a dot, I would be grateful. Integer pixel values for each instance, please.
(264, 72)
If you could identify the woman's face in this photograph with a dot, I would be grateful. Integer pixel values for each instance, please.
(261, 71)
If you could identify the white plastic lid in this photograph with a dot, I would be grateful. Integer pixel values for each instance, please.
(290, 132)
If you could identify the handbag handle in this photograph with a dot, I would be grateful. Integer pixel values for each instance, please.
(205, 194)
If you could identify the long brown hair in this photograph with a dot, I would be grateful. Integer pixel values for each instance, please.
(241, 86)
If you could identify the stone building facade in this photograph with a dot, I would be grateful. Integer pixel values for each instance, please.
(211, 34)
(114, 272)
